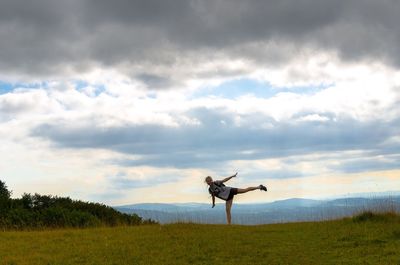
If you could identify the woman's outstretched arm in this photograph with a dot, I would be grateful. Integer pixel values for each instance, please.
(228, 178)
(213, 201)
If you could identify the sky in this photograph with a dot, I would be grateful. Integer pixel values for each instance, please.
(130, 101)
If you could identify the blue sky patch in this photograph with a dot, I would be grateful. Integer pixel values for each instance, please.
(81, 85)
(245, 86)
(7, 87)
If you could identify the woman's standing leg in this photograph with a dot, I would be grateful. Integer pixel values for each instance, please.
(228, 206)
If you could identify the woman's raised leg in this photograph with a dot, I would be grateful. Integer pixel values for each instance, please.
(248, 189)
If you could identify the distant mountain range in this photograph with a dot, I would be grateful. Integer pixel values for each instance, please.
(290, 210)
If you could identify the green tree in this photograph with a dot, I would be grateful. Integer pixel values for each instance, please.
(4, 192)
(5, 200)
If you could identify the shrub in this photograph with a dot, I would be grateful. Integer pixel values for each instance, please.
(375, 217)
(41, 211)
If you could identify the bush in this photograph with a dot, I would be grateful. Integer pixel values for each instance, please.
(376, 217)
(41, 211)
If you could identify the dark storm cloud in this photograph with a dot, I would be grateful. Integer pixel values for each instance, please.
(154, 81)
(47, 37)
(218, 139)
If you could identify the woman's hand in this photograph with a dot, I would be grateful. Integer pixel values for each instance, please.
(228, 178)
(213, 205)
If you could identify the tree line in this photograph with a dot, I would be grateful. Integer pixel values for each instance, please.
(47, 211)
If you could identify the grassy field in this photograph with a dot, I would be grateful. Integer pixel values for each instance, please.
(364, 240)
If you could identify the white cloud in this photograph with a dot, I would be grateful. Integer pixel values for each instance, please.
(116, 99)
(313, 117)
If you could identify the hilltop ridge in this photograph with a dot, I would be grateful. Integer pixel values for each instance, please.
(288, 210)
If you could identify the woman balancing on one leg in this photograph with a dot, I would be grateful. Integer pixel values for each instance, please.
(218, 189)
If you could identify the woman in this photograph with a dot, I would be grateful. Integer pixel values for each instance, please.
(218, 189)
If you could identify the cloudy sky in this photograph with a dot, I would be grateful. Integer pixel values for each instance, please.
(131, 101)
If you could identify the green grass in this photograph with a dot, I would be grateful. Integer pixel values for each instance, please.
(369, 239)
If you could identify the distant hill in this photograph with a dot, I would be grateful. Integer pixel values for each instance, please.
(290, 210)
